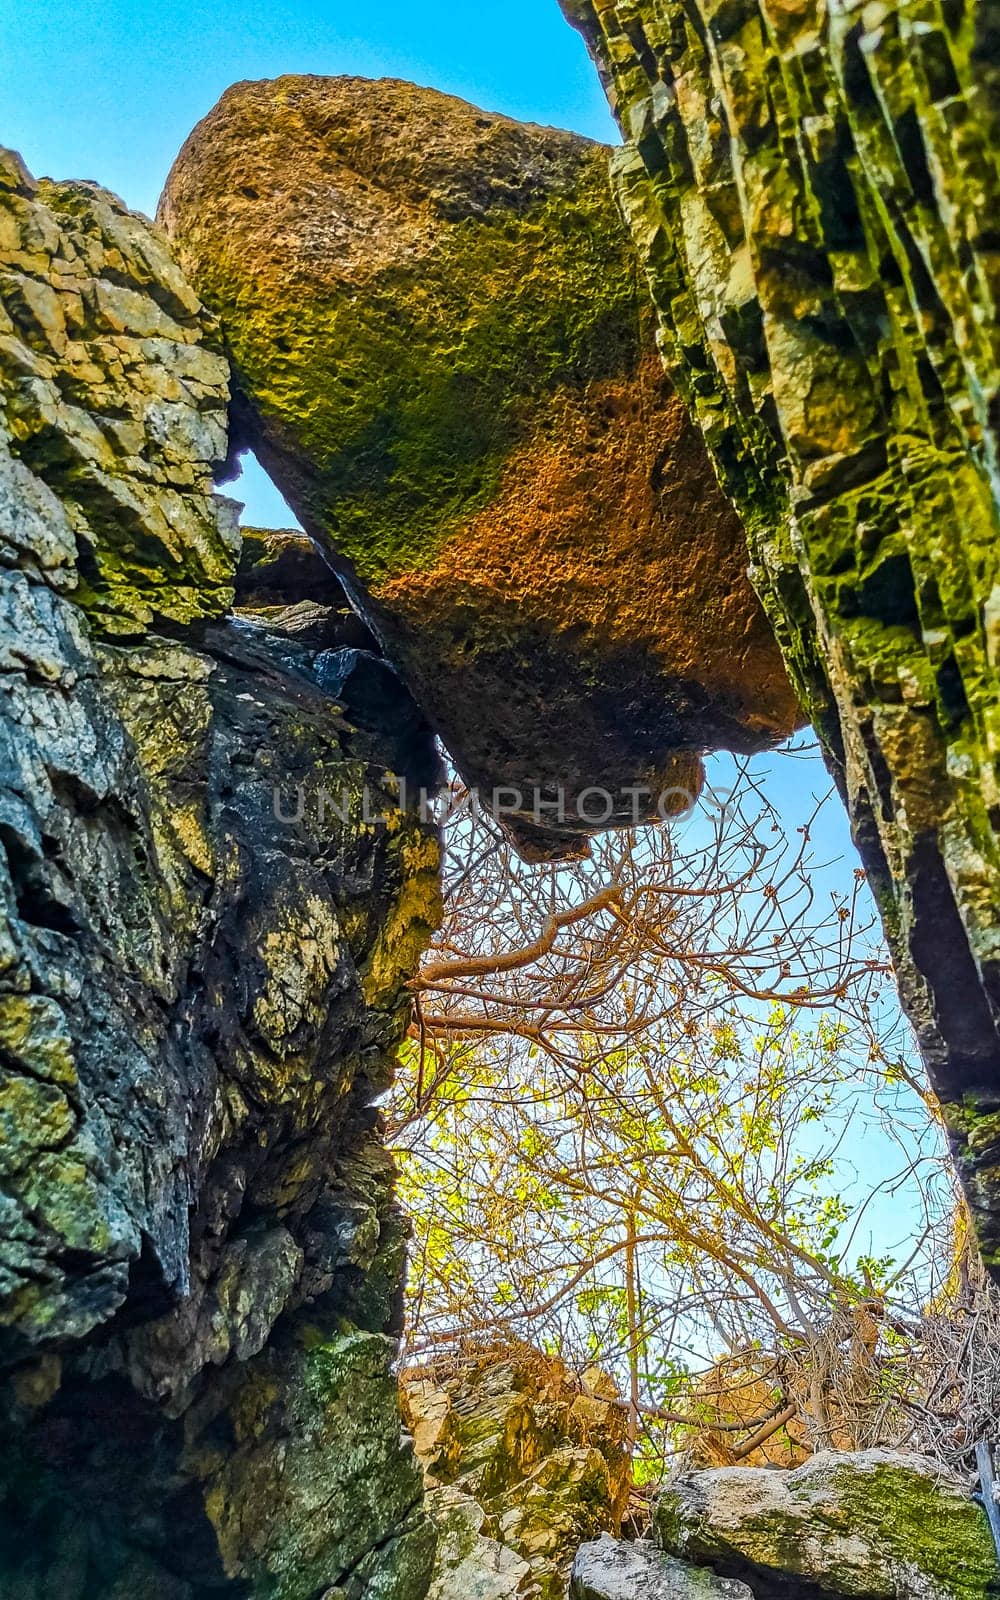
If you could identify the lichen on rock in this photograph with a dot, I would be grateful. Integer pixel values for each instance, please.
(807, 187)
(523, 1462)
(609, 1569)
(879, 1524)
(444, 356)
(115, 389)
(202, 982)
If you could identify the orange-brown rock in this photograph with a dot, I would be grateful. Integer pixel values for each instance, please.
(445, 360)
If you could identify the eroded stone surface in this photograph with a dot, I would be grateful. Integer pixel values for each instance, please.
(809, 188)
(470, 1565)
(522, 1464)
(115, 389)
(878, 1524)
(610, 1570)
(446, 362)
(200, 989)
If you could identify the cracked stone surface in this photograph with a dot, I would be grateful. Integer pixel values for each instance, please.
(811, 188)
(201, 990)
(522, 1463)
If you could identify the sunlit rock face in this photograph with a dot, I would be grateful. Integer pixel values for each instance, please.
(201, 979)
(444, 356)
(879, 1524)
(522, 1462)
(812, 190)
(873, 1524)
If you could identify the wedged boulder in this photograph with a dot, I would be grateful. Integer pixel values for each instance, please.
(445, 359)
(880, 1524)
(609, 1569)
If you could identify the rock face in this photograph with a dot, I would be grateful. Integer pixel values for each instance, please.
(469, 1564)
(609, 1570)
(876, 1524)
(810, 189)
(200, 984)
(521, 1466)
(445, 358)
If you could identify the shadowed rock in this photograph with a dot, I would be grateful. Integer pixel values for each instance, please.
(202, 982)
(445, 359)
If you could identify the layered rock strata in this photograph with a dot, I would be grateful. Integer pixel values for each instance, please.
(522, 1462)
(812, 191)
(876, 1525)
(444, 356)
(201, 982)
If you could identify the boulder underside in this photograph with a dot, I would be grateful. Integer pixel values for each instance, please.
(444, 356)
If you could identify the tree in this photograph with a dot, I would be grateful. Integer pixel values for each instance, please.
(624, 1129)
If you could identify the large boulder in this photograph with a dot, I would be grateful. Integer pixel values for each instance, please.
(445, 358)
(607, 1569)
(878, 1524)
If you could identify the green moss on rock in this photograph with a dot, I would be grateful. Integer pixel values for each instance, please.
(445, 359)
(395, 434)
(875, 1524)
(522, 1464)
(113, 396)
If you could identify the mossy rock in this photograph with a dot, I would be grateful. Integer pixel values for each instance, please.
(879, 1524)
(445, 359)
(113, 405)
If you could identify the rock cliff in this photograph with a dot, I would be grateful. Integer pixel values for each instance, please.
(212, 897)
(201, 981)
(812, 190)
(444, 356)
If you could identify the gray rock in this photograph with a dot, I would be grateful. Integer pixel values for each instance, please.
(882, 1524)
(469, 1564)
(201, 990)
(611, 1570)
